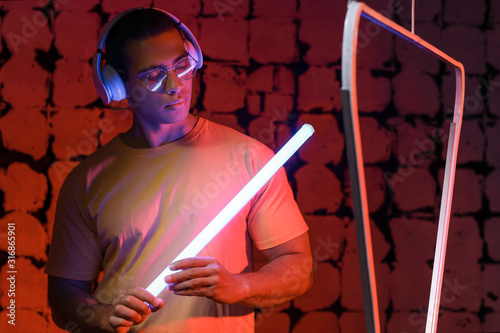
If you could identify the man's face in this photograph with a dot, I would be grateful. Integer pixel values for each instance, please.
(170, 103)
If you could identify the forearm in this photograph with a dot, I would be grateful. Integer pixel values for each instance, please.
(75, 310)
(279, 281)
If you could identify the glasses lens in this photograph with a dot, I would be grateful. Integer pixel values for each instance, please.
(155, 79)
(185, 69)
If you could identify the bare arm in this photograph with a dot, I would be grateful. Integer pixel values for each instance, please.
(286, 275)
(73, 307)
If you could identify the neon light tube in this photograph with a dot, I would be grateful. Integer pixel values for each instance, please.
(349, 93)
(236, 204)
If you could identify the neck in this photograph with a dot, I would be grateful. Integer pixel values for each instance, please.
(141, 137)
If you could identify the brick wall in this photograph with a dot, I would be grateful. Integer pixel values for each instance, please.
(269, 66)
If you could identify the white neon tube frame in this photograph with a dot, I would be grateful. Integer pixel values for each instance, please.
(236, 204)
(356, 168)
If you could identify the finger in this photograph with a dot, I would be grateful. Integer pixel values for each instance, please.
(188, 274)
(122, 329)
(190, 262)
(128, 314)
(193, 284)
(202, 292)
(130, 307)
(117, 322)
(145, 296)
(135, 299)
(156, 308)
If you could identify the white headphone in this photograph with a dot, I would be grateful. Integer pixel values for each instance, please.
(108, 83)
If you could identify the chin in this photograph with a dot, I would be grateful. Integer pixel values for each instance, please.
(176, 116)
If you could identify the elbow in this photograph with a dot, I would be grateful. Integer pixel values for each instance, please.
(57, 320)
(309, 275)
(309, 283)
(58, 299)
(306, 285)
(56, 316)
(306, 282)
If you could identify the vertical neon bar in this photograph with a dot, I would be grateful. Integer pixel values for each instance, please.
(356, 168)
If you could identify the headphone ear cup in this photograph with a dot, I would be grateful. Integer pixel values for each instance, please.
(113, 84)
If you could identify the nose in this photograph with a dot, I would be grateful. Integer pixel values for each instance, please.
(173, 85)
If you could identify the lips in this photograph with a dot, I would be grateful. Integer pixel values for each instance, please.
(179, 103)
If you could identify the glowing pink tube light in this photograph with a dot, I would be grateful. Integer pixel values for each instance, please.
(236, 204)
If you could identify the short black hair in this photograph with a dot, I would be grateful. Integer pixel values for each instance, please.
(138, 24)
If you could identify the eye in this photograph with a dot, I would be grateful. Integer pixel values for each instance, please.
(183, 65)
(155, 78)
(156, 74)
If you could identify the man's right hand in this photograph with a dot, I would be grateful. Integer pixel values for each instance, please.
(129, 308)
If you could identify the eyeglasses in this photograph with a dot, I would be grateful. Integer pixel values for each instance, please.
(184, 69)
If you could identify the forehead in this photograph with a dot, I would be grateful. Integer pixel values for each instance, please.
(162, 49)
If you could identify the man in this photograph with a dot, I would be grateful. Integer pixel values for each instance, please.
(132, 206)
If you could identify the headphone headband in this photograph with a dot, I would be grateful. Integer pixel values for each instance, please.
(107, 81)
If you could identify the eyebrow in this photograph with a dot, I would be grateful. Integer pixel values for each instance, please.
(152, 67)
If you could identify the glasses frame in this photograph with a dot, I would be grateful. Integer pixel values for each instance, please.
(166, 70)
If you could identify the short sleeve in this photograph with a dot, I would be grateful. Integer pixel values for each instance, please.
(74, 250)
(274, 216)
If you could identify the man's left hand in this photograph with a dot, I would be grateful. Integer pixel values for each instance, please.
(206, 277)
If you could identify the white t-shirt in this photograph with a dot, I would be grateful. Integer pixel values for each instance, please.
(129, 212)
